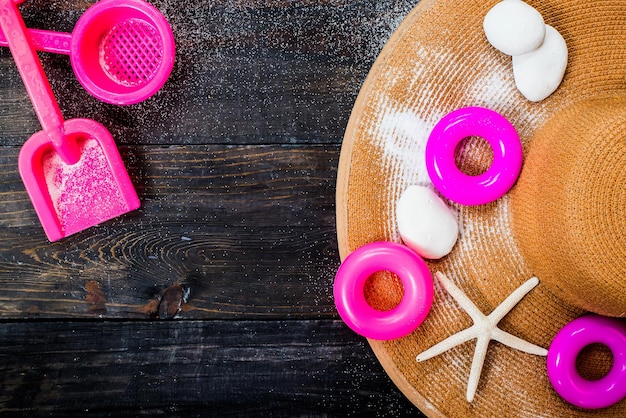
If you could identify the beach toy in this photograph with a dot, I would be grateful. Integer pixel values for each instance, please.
(350, 298)
(444, 140)
(72, 169)
(122, 51)
(564, 350)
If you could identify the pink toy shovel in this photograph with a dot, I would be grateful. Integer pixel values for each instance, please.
(122, 51)
(72, 169)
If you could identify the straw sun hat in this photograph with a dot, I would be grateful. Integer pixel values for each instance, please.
(564, 221)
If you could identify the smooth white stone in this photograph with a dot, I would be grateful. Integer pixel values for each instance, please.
(540, 72)
(427, 225)
(514, 27)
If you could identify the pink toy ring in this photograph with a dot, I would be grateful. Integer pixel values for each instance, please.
(350, 298)
(564, 350)
(442, 145)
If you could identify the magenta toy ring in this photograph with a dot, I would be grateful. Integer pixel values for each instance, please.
(350, 298)
(567, 344)
(444, 140)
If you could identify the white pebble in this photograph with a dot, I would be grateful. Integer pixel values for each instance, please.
(514, 27)
(540, 72)
(427, 225)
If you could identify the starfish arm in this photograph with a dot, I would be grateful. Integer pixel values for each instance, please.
(484, 329)
(460, 297)
(517, 343)
(450, 342)
(512, 300)
(480, 352)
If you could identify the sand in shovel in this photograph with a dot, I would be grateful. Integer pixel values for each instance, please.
(83, 191)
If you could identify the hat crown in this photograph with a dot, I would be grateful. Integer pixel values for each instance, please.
(569, 206)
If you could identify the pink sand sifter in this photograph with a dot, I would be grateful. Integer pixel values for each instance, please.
(122, 51)
(72, 169)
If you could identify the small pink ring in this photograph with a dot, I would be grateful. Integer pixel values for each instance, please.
(564, 350)
(350, 297)
(444, 140)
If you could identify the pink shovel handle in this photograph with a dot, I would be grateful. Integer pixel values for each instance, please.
(46, 40)
(34, 78)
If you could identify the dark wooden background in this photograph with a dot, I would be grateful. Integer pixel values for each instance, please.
(215, 297)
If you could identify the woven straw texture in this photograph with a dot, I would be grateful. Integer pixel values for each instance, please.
(570, 204)
(437, 61)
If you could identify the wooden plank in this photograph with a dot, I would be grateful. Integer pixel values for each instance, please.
(246, 230)
(192, 368)
(246, 72)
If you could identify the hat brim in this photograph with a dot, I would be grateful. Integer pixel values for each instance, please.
(437, 61)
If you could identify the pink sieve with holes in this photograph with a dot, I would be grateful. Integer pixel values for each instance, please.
(122, 51)
(132, 52)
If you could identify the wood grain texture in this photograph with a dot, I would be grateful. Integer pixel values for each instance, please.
(235, 164)
(246, 72)
(247, 231)
(191, 368)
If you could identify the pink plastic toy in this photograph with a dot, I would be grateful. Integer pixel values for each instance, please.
(350, 298)
(72, 169)
(564, 350)
(122, 51)
(442, 145)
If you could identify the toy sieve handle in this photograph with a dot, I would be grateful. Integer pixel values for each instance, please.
(45, 40)
(34, 78)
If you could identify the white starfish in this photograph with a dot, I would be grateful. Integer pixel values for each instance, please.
(485, 329)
